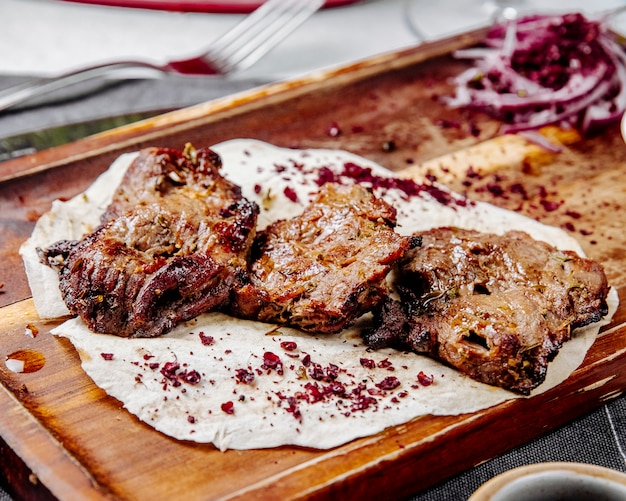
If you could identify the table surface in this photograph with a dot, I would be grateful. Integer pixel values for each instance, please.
(598, 438)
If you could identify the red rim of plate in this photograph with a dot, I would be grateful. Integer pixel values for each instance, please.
(206, 6)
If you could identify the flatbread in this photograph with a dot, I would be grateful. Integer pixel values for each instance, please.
(242, 384)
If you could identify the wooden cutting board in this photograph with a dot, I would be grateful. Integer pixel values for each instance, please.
(62, 437)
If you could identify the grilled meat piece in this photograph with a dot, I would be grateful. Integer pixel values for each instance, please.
(321, 270)
(498, 308)
(173, 242)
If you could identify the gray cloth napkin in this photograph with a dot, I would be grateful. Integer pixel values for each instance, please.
(598, 438)
(117, 98)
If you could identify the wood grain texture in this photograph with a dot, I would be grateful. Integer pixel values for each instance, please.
(69, 440)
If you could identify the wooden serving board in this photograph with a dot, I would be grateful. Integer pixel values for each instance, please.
(62, 437)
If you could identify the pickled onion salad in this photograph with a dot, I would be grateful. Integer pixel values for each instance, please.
(543, 70)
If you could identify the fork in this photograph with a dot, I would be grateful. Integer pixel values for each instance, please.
(237, 49)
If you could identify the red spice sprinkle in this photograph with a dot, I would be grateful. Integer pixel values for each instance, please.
(362, 402)
(272, 361)
(170, 369)
(257, 188)
(191, 377)
(293, 408)
(244, 376)
(291, 194)
(389, 383)
(306, 360)
(326, 175)
(206, 340)
(228, 407)
(191, 419)
(573, 214)
(364, 175)
(314, 392)
(495, 189)
(326, 374)
(550, 206)
(299, 166)
(107, 356)
(443, 197)
(368, 363)
(376, 392)
(148, 357)
(519, 189)
(336, 388)
(470, 173)
(359, 173)
(424, 379)
(385, 364)
(288, 345)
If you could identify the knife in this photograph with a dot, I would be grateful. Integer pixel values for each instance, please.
(31, 142)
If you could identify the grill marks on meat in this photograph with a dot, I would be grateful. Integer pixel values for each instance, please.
(498, 308)
(172, 244)
(321, 270)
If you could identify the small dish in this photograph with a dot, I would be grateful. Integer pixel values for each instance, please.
(554, 481)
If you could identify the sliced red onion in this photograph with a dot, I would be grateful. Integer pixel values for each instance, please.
(551, 116)
(582, 82)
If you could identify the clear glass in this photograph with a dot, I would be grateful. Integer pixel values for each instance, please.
(433, 19)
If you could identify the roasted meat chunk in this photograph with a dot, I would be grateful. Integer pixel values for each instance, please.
(496, 307)
(321, 270)
(172, 244)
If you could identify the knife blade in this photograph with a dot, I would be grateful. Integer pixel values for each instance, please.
(31, 142)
